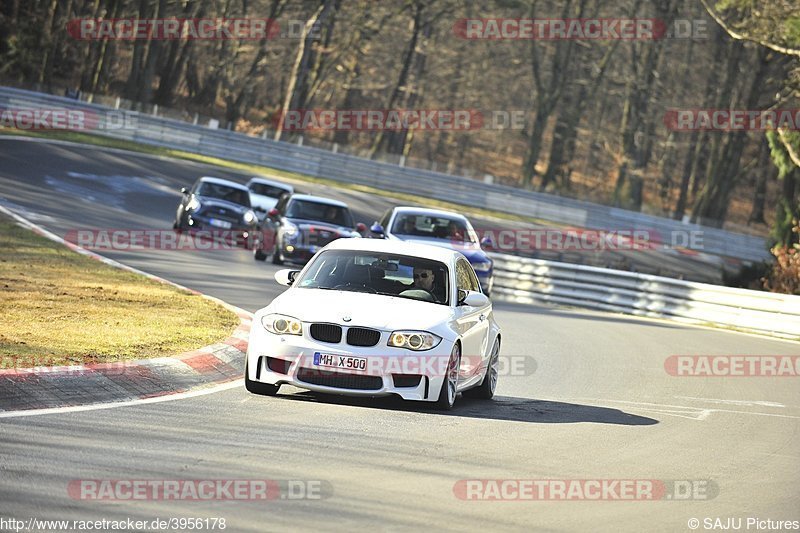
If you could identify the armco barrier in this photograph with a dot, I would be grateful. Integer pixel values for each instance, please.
(534, 280)
(315, 162)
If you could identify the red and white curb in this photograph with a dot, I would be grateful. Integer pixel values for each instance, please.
(56, 387)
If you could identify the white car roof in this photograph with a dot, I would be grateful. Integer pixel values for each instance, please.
(428, 211)
(423, 251)
(265, 181)
(227, 183)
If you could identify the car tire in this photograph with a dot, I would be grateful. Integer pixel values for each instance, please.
(449, 390)
(258, 253)
(485, 391)
(276, 255)
(256, 387)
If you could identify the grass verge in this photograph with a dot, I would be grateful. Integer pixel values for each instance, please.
(60, 307)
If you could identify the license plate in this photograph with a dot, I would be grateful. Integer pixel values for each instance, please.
(220, 223)
(347, 362)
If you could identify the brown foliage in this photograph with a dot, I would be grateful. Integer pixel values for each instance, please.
(785, 274)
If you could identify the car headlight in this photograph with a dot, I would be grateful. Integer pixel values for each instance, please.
(414, 340)
(282, 324)
(250, 217)
(290, 230)
(193, 205)
(482, 267)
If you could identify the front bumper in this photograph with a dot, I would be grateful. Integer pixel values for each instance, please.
(298, 254)
(289, 359)
(301, 248)
(242, 233)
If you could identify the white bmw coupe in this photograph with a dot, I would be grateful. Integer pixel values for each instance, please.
(375, 318)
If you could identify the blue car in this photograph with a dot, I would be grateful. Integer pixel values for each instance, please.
(438, 228)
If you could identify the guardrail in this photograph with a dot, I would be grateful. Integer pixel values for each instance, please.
(526, 280)
(346, 168)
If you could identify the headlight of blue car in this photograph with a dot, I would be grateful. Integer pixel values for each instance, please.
(482, 267)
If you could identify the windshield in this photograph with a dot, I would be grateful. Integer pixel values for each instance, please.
(386, 274)
(267, 190)
(434, 227)
(332, 214)
(223, 192)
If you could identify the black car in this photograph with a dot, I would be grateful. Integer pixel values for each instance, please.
(219, 206)
(301, 224)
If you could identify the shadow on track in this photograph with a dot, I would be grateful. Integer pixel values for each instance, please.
(500, 408)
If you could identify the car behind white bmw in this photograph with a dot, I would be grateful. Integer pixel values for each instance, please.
(374, 318)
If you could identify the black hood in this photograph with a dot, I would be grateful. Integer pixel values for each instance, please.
(303, 224)
(210, 201)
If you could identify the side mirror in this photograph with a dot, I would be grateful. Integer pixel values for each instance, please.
(377, 229)
(361, 228)
(184, 190)
(273, 213)
(472, 298)
(286, 276)
(486, 242)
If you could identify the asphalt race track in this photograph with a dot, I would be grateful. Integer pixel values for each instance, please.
(598, 406)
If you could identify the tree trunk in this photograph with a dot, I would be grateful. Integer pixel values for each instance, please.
(723, 171)
(171, 72)
(47, 36)
(402, 79)
(637, 121)
(137, 61)
(398, 142)
(547, 93)
(300, 69)
(145, 93)
(760, 192)
(562, 149)
(534, 146)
